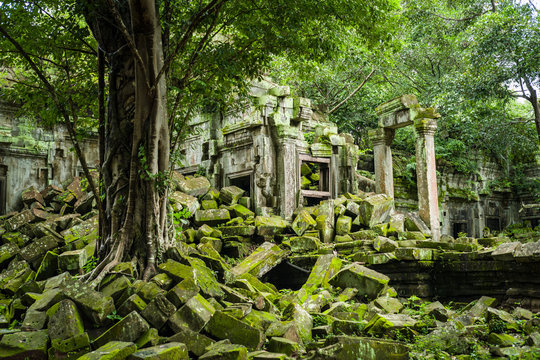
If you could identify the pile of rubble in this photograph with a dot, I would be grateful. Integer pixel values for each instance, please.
(209, 299)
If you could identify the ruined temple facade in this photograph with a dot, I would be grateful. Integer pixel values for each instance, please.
(264, 151)
(35, 156)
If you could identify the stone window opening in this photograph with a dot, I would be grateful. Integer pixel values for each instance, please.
(314, 178)
(205, 151)
(43, 174)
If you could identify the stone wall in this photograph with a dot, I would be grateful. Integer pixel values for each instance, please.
(466, 276)
(35, 156)
(469, 203)
(262, 149)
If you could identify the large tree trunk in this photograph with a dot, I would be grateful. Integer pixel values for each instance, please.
(136, 149)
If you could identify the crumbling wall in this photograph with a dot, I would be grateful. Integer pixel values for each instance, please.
(261, 148)
(34, 156)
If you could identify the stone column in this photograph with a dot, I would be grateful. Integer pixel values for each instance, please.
(287, 176)
(384, 174)
(428, 201)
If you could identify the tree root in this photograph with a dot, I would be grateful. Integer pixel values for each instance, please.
(95, 277)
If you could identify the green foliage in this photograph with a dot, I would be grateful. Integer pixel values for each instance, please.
(309, 137)
(114, 316)
(180, 218)
(58, 40)
(14, 324)
(90, 264)
(320, 320)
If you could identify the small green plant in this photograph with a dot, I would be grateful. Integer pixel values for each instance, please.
(461, 234)
(90, 264)
(180, 218)
(13, 324)
(114, 316)
(309, 137)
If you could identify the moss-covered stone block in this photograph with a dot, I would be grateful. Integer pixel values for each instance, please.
(176, 351)
(208, 231)
(25, 344)
(182, 292)
(368, 282)
(270, 226)
(324, 269)
(33, 320)
(19, 220)
(301, 244)
(209, 204)
(283, 346)
(129, 329)
(225, 326)
(158, 311)
(343, 225)
(230, 194)
(303, 221)
(194, 314)
(375, 209)
(238, 230)
(72, 344)
(7, 252)
(195, 342)
(90, 302)
(36, 250)
(241, 211)
(383, 323)
(64, 321)
(180, 201)
(389, 304)
(87, 230)
(48, 266)
(502, 339)
(344, 347)
(176, 270)
(114, 350)
(72, 261)
(302, 319)
(205, 278)
(150, 338)
(409, 253)
(383, 244)
(15, 276)
(225, 351)
(212, 217)
(262, 260)
(133, 303)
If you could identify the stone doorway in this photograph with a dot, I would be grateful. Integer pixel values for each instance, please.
(394, 114)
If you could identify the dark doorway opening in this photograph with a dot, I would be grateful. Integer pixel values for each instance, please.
(243, 182)
(459, 228)
(493, 224)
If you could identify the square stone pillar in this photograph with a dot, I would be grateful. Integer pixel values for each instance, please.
(428, 201)
(287, 176)
(384, 173)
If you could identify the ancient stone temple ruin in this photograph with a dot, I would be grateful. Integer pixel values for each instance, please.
(265, 152)
(35, 156)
